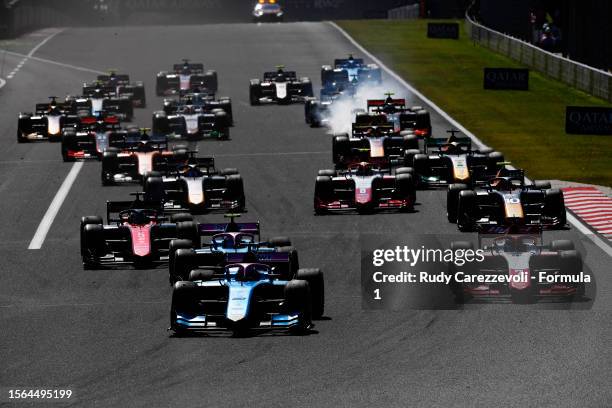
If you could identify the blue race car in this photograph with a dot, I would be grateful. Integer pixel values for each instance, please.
(346, 70)
(246, 296)
(230, 243)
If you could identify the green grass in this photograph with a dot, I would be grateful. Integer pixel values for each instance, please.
(528, 127)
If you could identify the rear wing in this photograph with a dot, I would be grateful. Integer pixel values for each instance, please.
(118, 77)
(189, 66)
(268, 258)
(89, 90)
(246, 227)
(381, 102)
(433, 143)
(362, 129)
(113, 208)
(273, 74)
(343, 62)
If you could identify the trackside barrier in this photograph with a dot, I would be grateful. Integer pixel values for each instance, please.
(405, 12)
(583, 77)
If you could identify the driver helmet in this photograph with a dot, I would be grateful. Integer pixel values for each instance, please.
(138, 218)
(501, 184)
(364, 169)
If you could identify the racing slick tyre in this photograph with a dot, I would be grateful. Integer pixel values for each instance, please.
(298, 300)
(404, 186)
(87, 220)
(174, 246)
(92, 244)
(315, 280)
(340, 148)
(188, 230)
(160, 123)
(466, 211)
(181, 217)
(280, 241)
(228, 171)
(68, 141)
(554, 207)
(307, 88)
(160, 85)
(409, 157)
(494, 160)
(109, 167)
(255, 92)
(183, 300)
(410, 142)
(404, 170)
(452, 200)
(294, 260)
(420, 166)
(327, 172)
(185, 260)
(562, 245)
(324, 191)
(235, 190)
(201, 275)
(571, 264)
(153, 188)
(542, 185)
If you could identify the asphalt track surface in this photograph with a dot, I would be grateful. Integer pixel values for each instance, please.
(103, 333)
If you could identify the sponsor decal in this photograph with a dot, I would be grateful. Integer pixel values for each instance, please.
(588, 120)
(443, 30)
(506, 79)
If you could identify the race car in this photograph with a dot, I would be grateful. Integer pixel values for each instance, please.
(230, 243)
(346, 70)
(90, 137)
(267, 11)
(280, 86)
(193, 122)
(136, 234)
(452, 160)
(244, 297)
(532, 270)
(364, 188)
(185, 77)
(376, 143)
(136, 154)
(196, 186)
(203, 100)
(47, 122)
(397, 114)
(123, 87)
(317, 112)
(506, 199)
(104, 99)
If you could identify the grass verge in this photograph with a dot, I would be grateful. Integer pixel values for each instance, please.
(527, 126)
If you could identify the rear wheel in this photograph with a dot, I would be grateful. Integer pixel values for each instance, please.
(466, 211)
(452, 201)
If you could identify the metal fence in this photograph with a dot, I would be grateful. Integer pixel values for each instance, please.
(583, 77)
(405, 12)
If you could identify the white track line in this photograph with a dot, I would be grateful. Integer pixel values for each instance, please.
(31, 54)
(2, 83)
(61, 64)
(573, 220)
(54, 207)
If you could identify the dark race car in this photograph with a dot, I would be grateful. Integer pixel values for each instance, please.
(135, 154)
(47, 122)
(506, 199)
(247, 296)
(365, 189)
(280, 86)
(184, 77)
(230, 243)
(90, 137)
(136, 234)
(105, 99)
(123, 87)
(193, 122)
(347, 70)
(452, 160)
(200, 99)
(518, 267)
(395, 113)
(267, 11)
(196, 186)
(376, 143)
